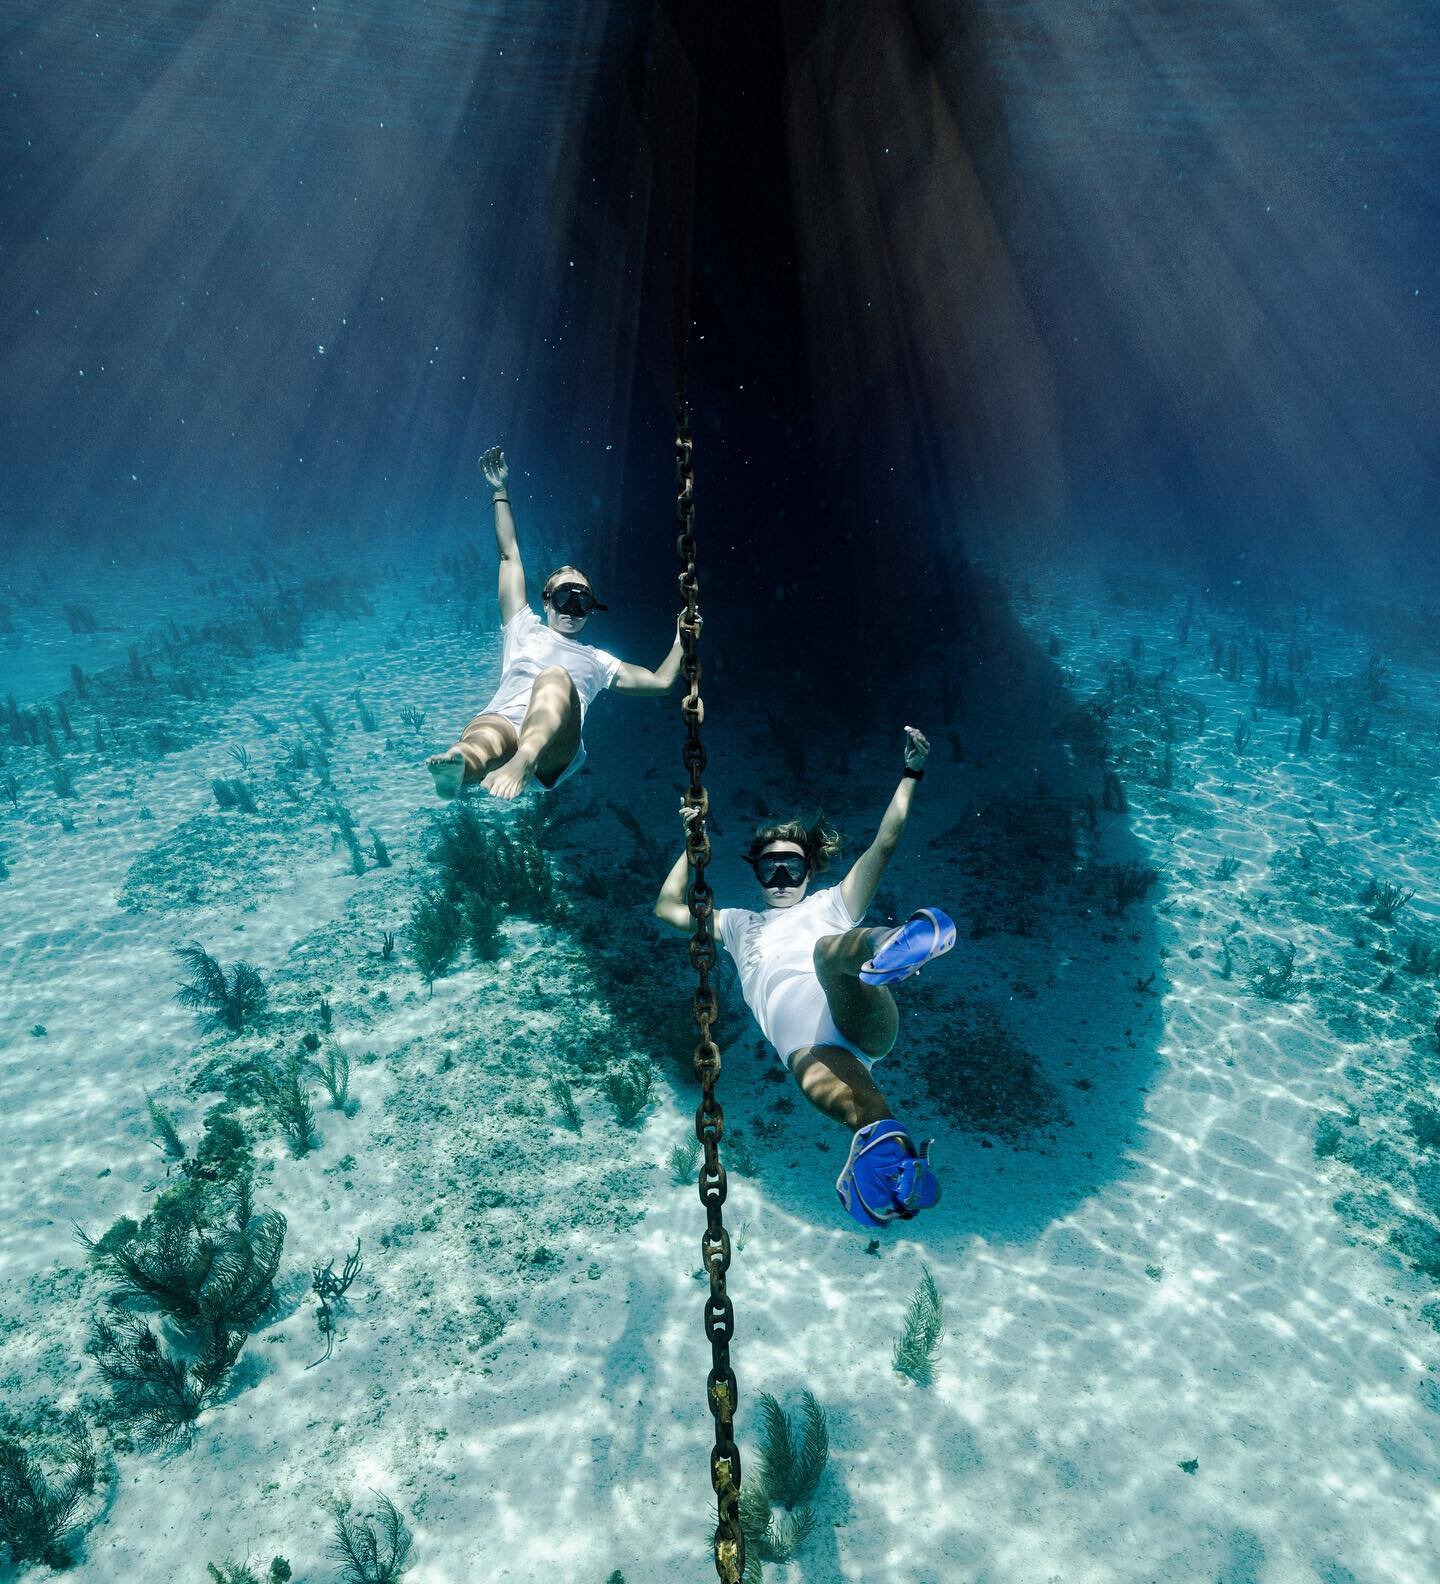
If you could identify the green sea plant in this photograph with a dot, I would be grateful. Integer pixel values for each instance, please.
(242, 1573)
(157, 1393)
(437, 928)
(330, 1289)
(77, 680)
(1375, 679)
(321, 716)
(223, 1153)
(373, 1548)
(1225, 868)
(738, 1155)
(786, 1472)
(228, 1003)
(288, 1101)
(281, 624)
(629, 1087)
(1424, 1123)
(332, 1070)
(167, 1137)
(1112, 797)
(41, 1500)
(345, 826)
(1384, 900)
(240, 754)
(791, 1461)
(412, 717)
(682, 1161)
(1276, 980)
(81, 619)
(916, 1347)
(769, 1536)
(378, 850)
(369, 721)
(565, 1099)
(1241, 735)
(483, 918)
(387, 945)
(1422, 959)
(233, 793)
(62, 780)
(514, 872)
(12, 790)
(1130, 882)
(202, 1257)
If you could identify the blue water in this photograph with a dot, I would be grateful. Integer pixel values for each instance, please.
(1063, 385)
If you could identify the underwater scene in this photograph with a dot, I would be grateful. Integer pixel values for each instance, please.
(719, 732)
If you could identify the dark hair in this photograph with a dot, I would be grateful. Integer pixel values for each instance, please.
(821, 844)
(555, 578)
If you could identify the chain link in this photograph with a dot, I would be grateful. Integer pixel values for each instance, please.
(721, 1390)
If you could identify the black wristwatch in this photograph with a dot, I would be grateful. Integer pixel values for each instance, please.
(915, 775)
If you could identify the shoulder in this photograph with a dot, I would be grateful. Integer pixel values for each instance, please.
(831, 900)
(729, 919)
(609, 666)
(523, 618)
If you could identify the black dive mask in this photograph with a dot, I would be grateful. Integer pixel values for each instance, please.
(573, 599)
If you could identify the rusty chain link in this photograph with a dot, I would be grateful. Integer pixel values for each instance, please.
(720, 1385)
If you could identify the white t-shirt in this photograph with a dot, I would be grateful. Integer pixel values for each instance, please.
(773, 946)
(530, 646)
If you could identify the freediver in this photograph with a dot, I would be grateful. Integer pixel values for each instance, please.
(531, 728)
(818, 982)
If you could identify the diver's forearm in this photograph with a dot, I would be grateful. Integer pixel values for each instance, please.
(892, 826)
(669, 668)
(505, 541)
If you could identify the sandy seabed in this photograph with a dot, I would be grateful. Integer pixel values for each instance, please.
(1182, 1343)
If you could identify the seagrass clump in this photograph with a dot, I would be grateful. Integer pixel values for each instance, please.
(373, 1548)
(918, 1344)
(41, 1497)
(226, 1003)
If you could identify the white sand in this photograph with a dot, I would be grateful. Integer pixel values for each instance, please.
(1166, 1280)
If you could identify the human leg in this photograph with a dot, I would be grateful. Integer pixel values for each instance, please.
(865, 1014)
(836, 1082)
(886, 1176)
(548, 738)
(486, 742)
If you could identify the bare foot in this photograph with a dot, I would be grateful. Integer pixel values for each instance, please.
(509, 780)
(448, 770)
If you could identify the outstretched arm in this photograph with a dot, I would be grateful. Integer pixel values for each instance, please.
(858, 888)
(636, 679)
(512, 570)
(671, 907)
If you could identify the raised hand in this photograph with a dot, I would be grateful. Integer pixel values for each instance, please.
(917, 748)
(494, 467)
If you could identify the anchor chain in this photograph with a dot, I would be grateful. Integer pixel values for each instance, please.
(720, 1387)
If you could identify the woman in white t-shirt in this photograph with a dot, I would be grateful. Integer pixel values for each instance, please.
(817, 982)
(531, 728)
